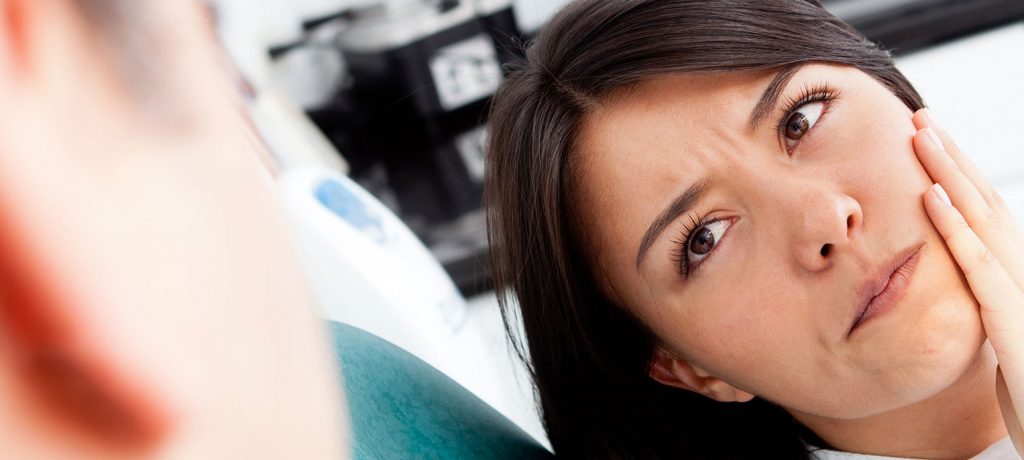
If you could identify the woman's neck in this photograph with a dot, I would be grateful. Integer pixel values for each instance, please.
(959, 422)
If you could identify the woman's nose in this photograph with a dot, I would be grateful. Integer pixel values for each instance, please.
(826, 223)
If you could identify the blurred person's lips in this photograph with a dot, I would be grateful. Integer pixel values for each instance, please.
(885, 286)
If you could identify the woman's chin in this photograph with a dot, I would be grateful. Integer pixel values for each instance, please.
(924, 358)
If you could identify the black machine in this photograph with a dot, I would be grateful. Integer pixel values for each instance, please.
(411, 121)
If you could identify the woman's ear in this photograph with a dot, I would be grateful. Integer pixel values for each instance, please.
(671, 370)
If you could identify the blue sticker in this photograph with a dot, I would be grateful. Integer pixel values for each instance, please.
(338, 198)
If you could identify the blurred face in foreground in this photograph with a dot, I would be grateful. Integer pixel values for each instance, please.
(768, 239)
(149, 305)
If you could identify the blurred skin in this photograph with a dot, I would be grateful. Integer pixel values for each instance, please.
(149, 302)
(766, 313)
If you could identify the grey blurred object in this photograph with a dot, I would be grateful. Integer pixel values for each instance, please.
(908, 25)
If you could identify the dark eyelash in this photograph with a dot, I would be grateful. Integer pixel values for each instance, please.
(819, 92)
(682, 242)
(816, 93)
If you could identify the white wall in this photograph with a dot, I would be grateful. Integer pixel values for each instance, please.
(532, 13)
(975, 89)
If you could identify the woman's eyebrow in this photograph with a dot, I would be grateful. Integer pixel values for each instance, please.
(771, 94)
(683, 203)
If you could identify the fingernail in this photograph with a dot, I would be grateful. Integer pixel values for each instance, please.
(927, 114)
(941, 194)
(934, 138)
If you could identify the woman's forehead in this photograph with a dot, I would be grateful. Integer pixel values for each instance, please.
(664, 117)
(662, 113)
(678, 111)
(689, 89)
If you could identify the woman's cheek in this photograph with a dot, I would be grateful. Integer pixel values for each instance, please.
(734, 325)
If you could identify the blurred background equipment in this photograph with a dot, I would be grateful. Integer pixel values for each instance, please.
(410, 117)
(369, 271)
(396, 86)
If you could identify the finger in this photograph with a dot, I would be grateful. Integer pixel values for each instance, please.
(923, 119)
(996, 227)
(1011, 405)
(1001, 301)
(942, 169)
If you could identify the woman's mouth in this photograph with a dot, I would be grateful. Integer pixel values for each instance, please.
(880, 292)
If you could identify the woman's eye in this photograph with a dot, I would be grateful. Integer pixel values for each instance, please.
(801, 121)
(704, 240)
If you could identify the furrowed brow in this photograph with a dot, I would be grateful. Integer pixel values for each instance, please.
(771, 94)
(682, 204)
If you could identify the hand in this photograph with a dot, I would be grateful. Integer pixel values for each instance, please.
(987, 243)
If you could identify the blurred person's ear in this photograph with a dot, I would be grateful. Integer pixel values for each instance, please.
(57, 356)
(671, 370)
(149, 301)
(45, 43)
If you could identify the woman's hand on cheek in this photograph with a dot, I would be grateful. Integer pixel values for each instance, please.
(988, 245)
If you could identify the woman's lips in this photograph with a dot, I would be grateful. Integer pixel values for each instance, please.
(880, 293)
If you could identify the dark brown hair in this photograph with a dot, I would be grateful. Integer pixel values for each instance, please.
(589, 357)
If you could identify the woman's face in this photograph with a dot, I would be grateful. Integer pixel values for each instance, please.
(794, 219)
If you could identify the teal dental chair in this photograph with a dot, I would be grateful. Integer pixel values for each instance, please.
(402, 408)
